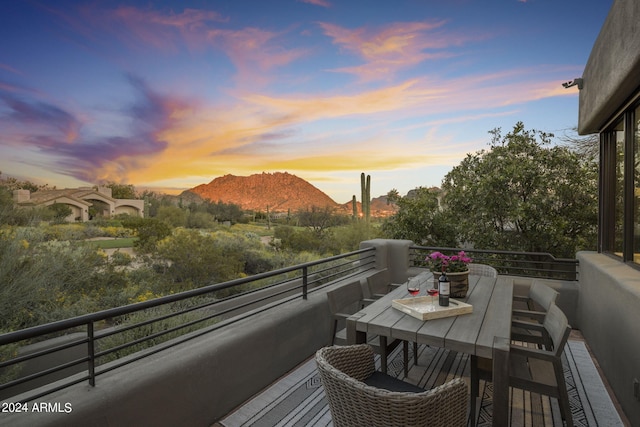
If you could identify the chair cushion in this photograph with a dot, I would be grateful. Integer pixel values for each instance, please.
(387, 382)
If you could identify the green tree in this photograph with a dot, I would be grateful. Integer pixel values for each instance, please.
(60, 212)
(122, 191)
(522, 195)
(320, 219)
(419, 219)
(172, 215)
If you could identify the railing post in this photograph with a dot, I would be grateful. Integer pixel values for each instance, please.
(305, 282)
(92, 355)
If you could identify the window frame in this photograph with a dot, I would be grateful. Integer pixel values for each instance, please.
(607, 184)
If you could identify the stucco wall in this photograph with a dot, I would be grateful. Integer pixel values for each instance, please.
(198, 382)
(609, 316)
(611, 73)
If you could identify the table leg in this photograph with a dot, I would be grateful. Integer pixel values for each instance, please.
(501, 381)
(383, 354)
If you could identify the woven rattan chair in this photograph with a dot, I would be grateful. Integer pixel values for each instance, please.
(482, 270)
(359, 396)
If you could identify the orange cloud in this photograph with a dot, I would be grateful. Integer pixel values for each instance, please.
(204, 141)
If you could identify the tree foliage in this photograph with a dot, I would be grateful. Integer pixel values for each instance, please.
(522, 195)
(319, 219)
(122, 191)
(419, 219)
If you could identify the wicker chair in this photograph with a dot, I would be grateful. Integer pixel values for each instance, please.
(348, 376)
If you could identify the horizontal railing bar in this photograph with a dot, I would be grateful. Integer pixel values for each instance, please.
(193, 322)
(21, 359)
(493, 251)
(40, 374)
(195, 334)
(119, 311)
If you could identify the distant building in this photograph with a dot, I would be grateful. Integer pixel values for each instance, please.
(80, 200)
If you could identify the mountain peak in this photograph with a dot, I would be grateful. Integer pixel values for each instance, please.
(279, 191)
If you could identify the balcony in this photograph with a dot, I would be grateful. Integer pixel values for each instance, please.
(192, 358)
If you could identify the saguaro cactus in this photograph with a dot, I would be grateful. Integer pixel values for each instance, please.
(354, 206)
(365, 187)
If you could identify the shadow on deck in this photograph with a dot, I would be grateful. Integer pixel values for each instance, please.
(298, 398)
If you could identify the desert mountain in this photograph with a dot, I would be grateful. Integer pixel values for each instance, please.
(278, 191)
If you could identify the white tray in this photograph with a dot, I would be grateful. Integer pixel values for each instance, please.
(421, 308)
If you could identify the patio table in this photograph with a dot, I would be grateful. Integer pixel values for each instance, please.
(484, 332)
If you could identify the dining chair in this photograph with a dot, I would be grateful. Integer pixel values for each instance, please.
(533, 369)
(482, 270)
(348, 300)
(538, 301)
(360, 396)
(379, 283)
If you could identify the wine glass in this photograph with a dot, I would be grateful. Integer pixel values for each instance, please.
(413, 287)
(432, 293)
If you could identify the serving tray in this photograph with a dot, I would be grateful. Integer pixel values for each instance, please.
(420, 307)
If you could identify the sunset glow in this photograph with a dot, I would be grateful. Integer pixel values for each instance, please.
(168, 95)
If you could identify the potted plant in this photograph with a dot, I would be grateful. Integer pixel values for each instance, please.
(457, 269)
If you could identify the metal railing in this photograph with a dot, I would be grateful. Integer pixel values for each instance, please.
(100, 342)
(527, 264)
(97, 343)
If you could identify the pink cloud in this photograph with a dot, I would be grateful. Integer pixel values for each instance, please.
(163, 30)
(393, 47)
(322, 3)
(254, 51)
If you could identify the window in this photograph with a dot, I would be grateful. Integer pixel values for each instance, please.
(620, 187)
(636, 183)
(618, 140)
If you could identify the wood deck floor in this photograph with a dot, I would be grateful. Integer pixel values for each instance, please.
(298, 399)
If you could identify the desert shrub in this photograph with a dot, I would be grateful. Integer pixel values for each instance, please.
(44, 281)
(143, 331)
(202, 220)
(120, 258)
(347, 238)
(172, 215)
(196, 259)
(150, 231)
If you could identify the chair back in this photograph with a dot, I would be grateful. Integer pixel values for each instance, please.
(346, 299)
(545, 296)
(482, 270)
(355, 404)
(558, 328)
(378, 283)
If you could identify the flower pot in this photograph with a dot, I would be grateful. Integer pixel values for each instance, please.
(459, 283)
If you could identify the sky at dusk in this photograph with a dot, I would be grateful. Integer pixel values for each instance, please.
(168, 95)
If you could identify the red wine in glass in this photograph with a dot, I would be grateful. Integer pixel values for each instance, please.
(413, 287)
(432, 293)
